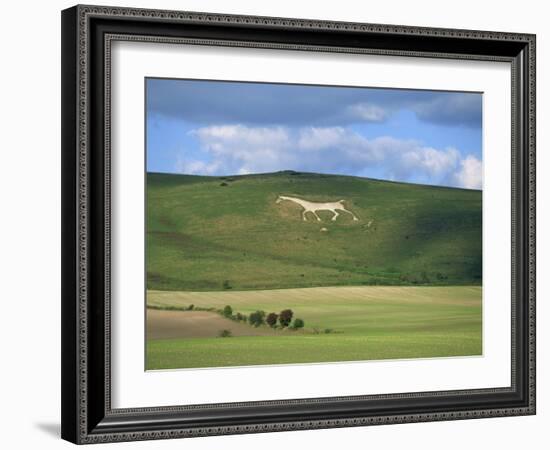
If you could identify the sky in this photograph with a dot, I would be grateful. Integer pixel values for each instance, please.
(228, 128)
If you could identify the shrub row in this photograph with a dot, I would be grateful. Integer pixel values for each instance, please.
(284, 318)
(255, 319)
(259, 317)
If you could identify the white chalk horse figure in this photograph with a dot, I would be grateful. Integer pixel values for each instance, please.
(313, 207)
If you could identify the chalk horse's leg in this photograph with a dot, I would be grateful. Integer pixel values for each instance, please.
(315, 214)
(304, 215)
(349, 212)
(335, 214)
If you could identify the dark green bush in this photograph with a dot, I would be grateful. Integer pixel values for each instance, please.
(256, 318)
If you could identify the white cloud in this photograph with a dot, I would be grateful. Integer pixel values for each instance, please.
(198, 167)
(239, 149)
(433, 162)
(470, 174)
(368, 112)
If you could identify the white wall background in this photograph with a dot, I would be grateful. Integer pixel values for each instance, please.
(30, 223)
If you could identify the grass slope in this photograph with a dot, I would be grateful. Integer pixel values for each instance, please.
(216, 233)
(367, 322)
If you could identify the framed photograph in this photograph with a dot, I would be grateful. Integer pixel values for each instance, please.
(277, 224)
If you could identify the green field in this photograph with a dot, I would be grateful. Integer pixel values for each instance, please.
(211, 233)
(403, 281)
(365, 323)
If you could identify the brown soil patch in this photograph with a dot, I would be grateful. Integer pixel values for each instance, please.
(195, 324)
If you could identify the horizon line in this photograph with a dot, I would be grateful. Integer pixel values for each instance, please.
(311, 173)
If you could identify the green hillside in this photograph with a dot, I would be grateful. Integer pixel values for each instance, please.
(221, 233)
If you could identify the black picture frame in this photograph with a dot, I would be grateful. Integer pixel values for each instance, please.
(87, 416)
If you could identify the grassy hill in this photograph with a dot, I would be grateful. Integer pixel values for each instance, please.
(222, 233)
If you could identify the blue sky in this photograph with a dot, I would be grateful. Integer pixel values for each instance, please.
(227, 128)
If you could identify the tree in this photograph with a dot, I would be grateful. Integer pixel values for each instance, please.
(227, 311)
(271, 319)
(285, 317)
(298, 323)
(256, 318)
